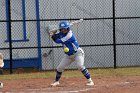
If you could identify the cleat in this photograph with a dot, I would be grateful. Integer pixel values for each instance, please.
(90, 83)
(55, 83)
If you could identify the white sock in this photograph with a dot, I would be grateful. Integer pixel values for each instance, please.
(89, 80)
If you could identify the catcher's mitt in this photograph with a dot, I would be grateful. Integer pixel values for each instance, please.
(1, 60)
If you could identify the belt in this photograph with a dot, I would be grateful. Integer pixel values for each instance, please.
(72, 53)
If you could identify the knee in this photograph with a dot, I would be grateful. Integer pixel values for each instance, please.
(60, 69)
(81, 68)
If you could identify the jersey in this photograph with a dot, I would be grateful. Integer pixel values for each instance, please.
(67, 40)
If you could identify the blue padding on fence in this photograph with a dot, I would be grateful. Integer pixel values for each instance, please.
(17, 63)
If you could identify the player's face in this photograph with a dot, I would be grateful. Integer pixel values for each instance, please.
(63, 30)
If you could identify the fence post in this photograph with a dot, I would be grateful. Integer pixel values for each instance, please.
(114, 37)
(10, 36)
(38, 35)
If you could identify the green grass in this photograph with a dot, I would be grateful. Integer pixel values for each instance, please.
(134, 71)
(131, 71)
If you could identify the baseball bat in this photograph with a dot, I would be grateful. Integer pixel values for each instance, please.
(71, 24)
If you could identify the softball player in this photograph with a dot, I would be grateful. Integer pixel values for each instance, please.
(1, 65)
(73, 54)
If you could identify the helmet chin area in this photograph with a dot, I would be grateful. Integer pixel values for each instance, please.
(65, 29)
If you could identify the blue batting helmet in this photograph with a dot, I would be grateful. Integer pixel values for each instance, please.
(64, 24)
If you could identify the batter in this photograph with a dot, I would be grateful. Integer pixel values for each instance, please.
(73, 52)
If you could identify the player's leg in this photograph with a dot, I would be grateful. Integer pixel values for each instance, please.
(64, 63)
(1, 65)
(80, 63)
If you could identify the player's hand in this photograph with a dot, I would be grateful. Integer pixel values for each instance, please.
(52, 32)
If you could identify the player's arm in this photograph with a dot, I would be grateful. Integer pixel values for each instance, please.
(56, 38)
(53, 37)
(65, 39)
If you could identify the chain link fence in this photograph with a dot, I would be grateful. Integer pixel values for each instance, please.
(109, 33)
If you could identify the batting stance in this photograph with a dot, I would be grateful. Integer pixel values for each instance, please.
(1, 65)
(73, 53)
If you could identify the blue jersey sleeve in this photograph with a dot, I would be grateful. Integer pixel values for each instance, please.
(56, 38)
(59, 41)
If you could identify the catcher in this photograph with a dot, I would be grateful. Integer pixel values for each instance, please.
(1, 65)
(73, 53)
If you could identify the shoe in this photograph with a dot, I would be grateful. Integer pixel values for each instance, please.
(90, 83)
(1, 85)
(55, 83)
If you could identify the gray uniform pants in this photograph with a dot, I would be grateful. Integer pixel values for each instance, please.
(78, 57)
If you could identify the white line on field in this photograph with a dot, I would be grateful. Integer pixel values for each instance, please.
(81, 90)
(76, 91)
(44, 90)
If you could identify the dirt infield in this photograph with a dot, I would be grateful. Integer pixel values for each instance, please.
(109, 84)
